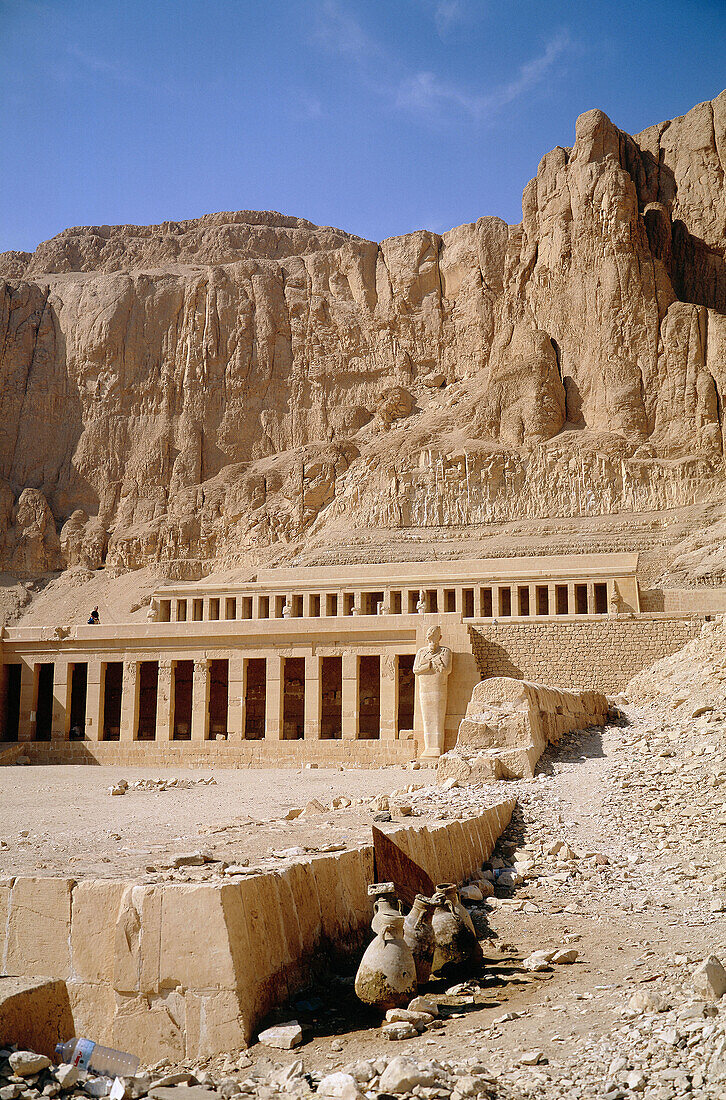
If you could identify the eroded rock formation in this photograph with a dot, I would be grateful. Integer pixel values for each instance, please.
(197, 392)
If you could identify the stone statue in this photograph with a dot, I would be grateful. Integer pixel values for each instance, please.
(421, 605)
(431, 668)
(616, 602)
(287, 610)
(152, 615)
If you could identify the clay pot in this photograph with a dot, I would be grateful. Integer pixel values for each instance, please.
(419, 935)
(383, 909)
(387, 973)
(456, 943)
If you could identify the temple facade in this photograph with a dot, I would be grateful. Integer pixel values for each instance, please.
(313, 655)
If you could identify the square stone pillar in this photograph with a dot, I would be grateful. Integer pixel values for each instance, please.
(28, 701)
(200, 700)
(130, 702)
(571, 606)
(591, 597)
(95, 695)
(350, 701)
(273, 698)
(389, 697)
(313, 697)
(61, 723)
(165, 701)
(552, 599)
(236, 698)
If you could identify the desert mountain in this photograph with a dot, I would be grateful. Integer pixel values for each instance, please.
(195, 394)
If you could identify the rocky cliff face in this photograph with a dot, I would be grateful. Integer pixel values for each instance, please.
(193, 393)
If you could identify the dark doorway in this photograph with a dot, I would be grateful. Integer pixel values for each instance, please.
(561, 599)
(11, 710)
(581, 599)
(487, 606)
(293, 698)
(601, 599)
(44, 706)
(113, 687)
(218, 697)
(543, 599)
(523, 596)
(255, 698)
(183, 681)
(406, 685)
(331, 674)
(369, 712)
(79, 690)
(468, 594)
(148, 687)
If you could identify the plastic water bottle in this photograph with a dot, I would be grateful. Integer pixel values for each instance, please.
(104, 1061)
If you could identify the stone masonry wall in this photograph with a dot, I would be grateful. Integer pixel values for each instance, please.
(130, 954)
(584, 654)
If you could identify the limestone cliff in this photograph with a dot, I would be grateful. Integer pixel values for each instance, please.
(197, 392)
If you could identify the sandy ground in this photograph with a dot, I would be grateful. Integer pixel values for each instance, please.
(62, 819)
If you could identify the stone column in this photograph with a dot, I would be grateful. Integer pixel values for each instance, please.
(28, 701)
(130, 702)
(552, 599)
(532, 599)
(200, 700)
(571, 606)
(236, 698)
(591, 597)
(165, 701)
(273, 698)
(313, 697)
(350, 697)
(61, 723)
(389, 697)
(95, 699)
(441, 600)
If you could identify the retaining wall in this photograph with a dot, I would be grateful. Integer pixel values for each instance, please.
(509, 723)
(219, 754)
(598, 653)
(174, 971)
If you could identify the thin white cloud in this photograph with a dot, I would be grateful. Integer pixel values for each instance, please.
(339, 31)
(426, 93)
(101, 67)
(447, 13)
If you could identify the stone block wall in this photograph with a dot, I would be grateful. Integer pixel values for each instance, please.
(600, 654)
(187, 970)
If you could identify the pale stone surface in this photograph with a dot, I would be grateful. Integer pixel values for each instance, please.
(34, 1013)
(282, 1036)
(25, 1063)
(709, 979)
(509, 723)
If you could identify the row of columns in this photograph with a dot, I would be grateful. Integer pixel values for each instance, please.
(265, 606)
(201, 682)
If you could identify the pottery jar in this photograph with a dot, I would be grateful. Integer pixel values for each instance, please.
(456, 943)
(387, 973)
(419, 935)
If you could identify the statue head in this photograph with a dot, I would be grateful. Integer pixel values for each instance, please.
(433, 635)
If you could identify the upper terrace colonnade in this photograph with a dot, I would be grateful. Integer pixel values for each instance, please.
(317, 654)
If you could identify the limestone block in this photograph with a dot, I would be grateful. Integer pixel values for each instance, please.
(96, 906)
(35, 1014)
(216, 1022)
(43, 905)
(153, 1030)
(93, 1006)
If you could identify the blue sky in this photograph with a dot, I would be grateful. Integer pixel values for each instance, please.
(378, 116)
